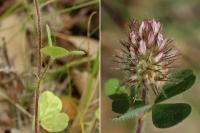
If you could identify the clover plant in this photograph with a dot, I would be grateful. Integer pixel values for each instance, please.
(147, 59)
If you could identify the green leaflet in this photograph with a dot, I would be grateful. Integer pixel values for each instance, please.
(54, 52)
(167, 115)
(120, 105)
(50, 117)
(118, 94)
(163, 115)
(48, 104)
(49, 35)
(185, 80)
(55, 123)
(114, 90)
(111, 87)
(58, 52)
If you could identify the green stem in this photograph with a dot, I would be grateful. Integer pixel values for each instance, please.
(78, 6)
(87, 94)
(86, 97)
(70, 64)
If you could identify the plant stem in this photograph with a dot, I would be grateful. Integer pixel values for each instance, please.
(139, 125)
(37, 89)
(37, 92)
(77, 6)
(39, 31)
(88, 36)
(144, 95)
(86, 96)
(69, 65)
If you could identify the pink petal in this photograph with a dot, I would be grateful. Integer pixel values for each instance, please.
(151, 38)
(160, 39)
(155, 26)
(142, 47)
(141, 29)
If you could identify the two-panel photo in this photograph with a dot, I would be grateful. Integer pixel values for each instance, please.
(99, 66)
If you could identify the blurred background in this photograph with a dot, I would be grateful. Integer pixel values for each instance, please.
(75, 26)
(181, 22)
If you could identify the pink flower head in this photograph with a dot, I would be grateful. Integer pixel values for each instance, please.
(148, 56)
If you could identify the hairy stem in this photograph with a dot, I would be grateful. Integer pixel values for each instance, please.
(144, 95)
(139, 125)
(37, 92)
(37, 89)
(39, 31)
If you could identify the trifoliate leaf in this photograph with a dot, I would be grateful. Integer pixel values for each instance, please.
(185, 80)
(167, 115)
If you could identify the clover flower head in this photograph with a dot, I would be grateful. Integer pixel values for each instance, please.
(147, 57)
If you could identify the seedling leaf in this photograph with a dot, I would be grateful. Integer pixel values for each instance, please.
(50, 117)
(55, 123)
(48, 104)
